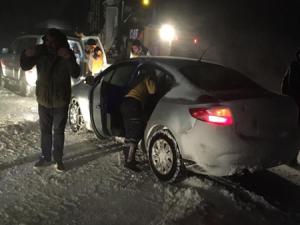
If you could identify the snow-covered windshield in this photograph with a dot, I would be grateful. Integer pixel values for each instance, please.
(212, 77)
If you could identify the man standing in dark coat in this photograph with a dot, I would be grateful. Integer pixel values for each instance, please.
(55, 63)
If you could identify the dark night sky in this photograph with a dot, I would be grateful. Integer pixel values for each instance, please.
(280, 16)
(276, 17)
(258, 37)
(20, 16)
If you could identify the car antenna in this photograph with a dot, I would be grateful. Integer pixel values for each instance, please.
(203, 53)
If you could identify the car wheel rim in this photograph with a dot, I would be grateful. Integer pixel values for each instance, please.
(75, 116)
(162, 156)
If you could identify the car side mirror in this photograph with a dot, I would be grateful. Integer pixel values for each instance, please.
(4, 51)
(89, 80)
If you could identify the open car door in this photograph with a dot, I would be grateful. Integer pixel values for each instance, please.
(107, 97)
(97, 103)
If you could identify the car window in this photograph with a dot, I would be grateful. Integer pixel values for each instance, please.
(29, 42)
(17, 46)
(212, 77)
(122, 75)
(107, 75)
(164, 80)
(14, 45)
(162, 77)
(75, 46)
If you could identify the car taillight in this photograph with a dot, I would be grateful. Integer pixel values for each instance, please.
(216, 115)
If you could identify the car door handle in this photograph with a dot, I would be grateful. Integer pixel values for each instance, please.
(98, 106)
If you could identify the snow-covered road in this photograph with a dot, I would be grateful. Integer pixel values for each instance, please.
(96, 189)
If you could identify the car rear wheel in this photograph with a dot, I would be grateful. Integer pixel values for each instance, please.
(164, 156)
(75, 117)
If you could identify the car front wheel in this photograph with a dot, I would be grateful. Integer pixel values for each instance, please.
(164, 156)
(75, 117)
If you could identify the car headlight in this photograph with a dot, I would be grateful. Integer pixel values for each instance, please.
(167, 33)
(3, 69)
(31, 76)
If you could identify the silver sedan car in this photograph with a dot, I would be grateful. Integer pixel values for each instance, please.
(205, 117)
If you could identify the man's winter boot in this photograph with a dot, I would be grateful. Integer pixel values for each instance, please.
(131, 153)
(125, 152)
(42, 162)
(130, 163)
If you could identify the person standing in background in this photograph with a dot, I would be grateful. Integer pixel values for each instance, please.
(95, 61)
(137, 50)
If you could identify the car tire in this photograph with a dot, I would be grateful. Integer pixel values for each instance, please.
(75, 117)
(164, 156)
(142, 147)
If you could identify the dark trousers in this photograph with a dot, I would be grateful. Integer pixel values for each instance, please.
(56, 119)
(132, 114)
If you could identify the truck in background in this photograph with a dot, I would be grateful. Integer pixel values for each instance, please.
(23, 82)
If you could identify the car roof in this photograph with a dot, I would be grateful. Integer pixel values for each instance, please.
(173, 61)
(170, 60)
(41, 35)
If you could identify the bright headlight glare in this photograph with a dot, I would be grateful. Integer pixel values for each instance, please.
(31, 76)
(3, 69)
(167, 32)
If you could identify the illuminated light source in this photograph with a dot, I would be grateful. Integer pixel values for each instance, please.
(146, 2)
(3, 69)
(167, 33)
(31, 76)
(195, 40)
(218, 115)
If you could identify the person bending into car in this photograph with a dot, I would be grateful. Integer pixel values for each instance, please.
(55, 63)
(133, 113)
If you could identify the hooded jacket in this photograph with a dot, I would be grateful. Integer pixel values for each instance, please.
(53, 85)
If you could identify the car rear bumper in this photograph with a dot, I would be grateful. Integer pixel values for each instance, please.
(225, 155)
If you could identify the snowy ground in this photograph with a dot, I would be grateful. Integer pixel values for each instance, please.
(96, 189)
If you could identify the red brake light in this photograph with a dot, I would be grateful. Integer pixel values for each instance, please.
(195, 40)
(217, 115)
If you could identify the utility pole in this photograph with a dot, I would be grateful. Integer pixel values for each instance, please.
(95, 16)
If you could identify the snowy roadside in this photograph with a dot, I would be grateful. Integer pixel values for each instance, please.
(96, 189)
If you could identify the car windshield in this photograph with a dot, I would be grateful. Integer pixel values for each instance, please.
(212, 77)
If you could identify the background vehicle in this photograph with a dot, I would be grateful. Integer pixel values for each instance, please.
(205, 117)
(24, 81)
